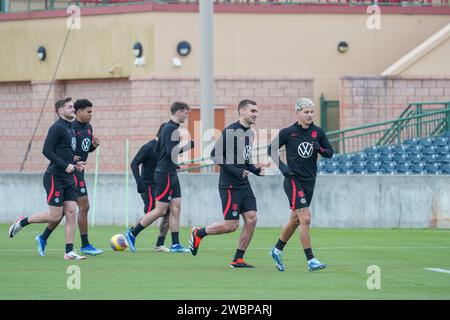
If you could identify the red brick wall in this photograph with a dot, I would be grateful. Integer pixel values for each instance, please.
(131, 109)
(370, 99)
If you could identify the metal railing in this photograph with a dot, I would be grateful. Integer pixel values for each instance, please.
(44, 5)
(425, 124)
(422, 124)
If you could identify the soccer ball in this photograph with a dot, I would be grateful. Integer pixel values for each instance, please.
(118, 242)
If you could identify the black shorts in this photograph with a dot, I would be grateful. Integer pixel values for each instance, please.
(80, 184)
(236, 201)
(300, 194)
(149, 198)
(167, 186)
(59, 189)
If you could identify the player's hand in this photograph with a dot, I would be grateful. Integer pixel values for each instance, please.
(70, 168)
(263, 171)
(76, 158)
(80, 165)
(95, 142)
(316, 146)
(245, 173)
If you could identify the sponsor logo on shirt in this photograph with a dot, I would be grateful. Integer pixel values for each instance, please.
(305, 149)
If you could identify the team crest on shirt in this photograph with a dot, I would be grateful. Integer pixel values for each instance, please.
(314, 134)
(234, 206)
(85, 144)
(301, 194)
(305, 149)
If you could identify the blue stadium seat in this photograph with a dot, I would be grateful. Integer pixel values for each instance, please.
(445, 168)
(373, 157)
(371, 150)
(345, 166)
(413, 141)
(432, 168)
(347, 157)
(387, 158)
(426, 142)
(399, 149)
(403, 157)
(415, 158)
(430, 158)
(385, 150)
(417, 168)
(373, 167)
(429, 149)
(443, 150)
(444, 158)
(359, 165)
(414, 149)
(360, 157)
(358, 170)
(441, 141)
(402, 167)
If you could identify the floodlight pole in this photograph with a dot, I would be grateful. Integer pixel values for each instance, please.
(206, 69)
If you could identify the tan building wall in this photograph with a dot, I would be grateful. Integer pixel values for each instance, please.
(436, 62)
(245, 44)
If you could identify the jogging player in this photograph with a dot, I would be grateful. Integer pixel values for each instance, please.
(303, 142)
(167, 185)
(59, 179)
(232, 152)
(86, 143)
(147, 157)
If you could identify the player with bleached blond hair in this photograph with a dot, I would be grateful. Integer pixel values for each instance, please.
(303, 142)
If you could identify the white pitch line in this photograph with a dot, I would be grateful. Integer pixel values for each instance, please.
(234, 248)
(438, 270)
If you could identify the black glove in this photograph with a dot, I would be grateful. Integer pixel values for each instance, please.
(288, 173)
(141, 188)
(316, 146)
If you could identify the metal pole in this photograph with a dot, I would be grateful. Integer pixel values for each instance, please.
(206, 70)
(127, 148)
(94, 196)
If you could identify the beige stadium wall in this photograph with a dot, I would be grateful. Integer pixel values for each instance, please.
(245, 44)
(436, 62)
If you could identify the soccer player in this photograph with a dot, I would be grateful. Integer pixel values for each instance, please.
(167, 185)
(86, 143)
(232, 152)
(148, 156)
(303, 142)
(59, 179)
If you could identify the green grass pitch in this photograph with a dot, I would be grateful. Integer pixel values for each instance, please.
(401, 254)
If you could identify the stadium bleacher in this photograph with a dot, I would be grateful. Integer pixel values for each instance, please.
(414, 156)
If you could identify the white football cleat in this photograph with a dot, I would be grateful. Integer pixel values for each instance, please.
(162, 249)
(16, 227)
(72, 255)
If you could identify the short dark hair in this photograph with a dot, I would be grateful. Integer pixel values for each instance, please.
(82, 104)
(160, 129)
(244, 103)
(177, 106)
(60, 103)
